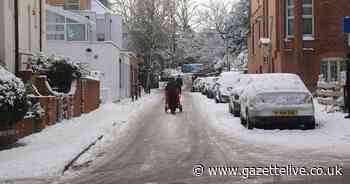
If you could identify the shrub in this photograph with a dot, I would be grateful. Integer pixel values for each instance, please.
(60, 71)
(61, 74)
(14, 103)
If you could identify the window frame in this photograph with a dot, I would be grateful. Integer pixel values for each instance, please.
(65, 24)
(289, 18)
(68, 4)
(312, 17)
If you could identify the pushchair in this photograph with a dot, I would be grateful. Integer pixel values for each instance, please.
(175, 105)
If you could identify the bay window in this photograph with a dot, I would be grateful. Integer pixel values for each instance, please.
(63, 28)
(331, 69)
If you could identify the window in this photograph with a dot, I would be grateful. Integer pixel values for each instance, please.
(331, 69)
(290, 18)
(308, 18)
(75, 32)
(72, 4)
(62, 28)
(100, 37)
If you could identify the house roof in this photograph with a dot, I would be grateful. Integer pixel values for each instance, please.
(69, 14)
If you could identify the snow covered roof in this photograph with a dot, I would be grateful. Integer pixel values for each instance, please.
(99, 8)
(69, 14)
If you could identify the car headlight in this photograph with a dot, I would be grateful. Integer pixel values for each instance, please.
(229, 89)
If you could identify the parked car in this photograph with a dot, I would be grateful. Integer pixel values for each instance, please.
(277, 99)
(226, 83)
(234, 103)
(212, 90)
(208, 83)
(196, 84)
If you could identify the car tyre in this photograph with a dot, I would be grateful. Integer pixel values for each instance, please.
(243, 121)
(236, 113)
(310, 125)
(249, 123)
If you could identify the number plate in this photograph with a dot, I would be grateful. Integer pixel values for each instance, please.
(285, 113)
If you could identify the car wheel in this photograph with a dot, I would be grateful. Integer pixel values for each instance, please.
(236, 113)
(243, 121)
(249, 123)
(310, 125)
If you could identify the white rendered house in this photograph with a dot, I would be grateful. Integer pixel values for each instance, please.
(73, 34)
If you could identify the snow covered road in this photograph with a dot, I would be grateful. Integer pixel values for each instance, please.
(44, 155)
(162, 148)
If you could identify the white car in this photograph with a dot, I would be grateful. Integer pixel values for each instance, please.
(277, 99)
(234, 103)
(226, 83)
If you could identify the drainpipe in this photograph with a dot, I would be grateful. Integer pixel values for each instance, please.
(16, 38)
(40, 26)
(298, 36)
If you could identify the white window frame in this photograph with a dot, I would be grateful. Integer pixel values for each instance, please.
(85, 27)
(68, 3)
(288, 18)
(64, 32)
(312, 17)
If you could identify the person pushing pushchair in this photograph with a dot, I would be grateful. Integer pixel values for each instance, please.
(172, 96)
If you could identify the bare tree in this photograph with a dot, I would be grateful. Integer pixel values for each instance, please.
(213, 14)
(186, 11)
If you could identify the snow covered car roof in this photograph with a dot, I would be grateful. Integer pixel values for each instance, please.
(244, 81)
(277, 82)
(229, 78)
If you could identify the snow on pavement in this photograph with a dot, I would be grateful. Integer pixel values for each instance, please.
(331, 136)
(46, 153)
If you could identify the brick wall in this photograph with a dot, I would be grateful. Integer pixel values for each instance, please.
(295, 55)
(90, 94)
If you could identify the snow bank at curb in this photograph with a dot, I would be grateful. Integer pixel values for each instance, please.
(332, 135)
(46, 153)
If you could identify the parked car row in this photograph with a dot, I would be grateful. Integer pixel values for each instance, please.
(262, 100)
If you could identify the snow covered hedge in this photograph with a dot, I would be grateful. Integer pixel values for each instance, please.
(60, 71)
(13, 99)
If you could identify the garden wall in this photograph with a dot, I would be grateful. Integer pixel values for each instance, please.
(84, 97)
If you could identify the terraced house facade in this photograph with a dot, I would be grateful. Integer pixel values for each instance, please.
(298, 36)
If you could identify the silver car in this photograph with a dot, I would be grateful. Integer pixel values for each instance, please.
(277, 100)
(226, 83)
(234, 103)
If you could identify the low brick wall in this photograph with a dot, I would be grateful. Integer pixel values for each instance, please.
(25, 127)
(49, 104)
(90, 94)
(84, 98)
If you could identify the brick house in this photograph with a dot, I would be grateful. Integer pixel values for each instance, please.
(298, 36)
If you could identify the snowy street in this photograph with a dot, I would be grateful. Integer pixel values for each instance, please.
(155, 147)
